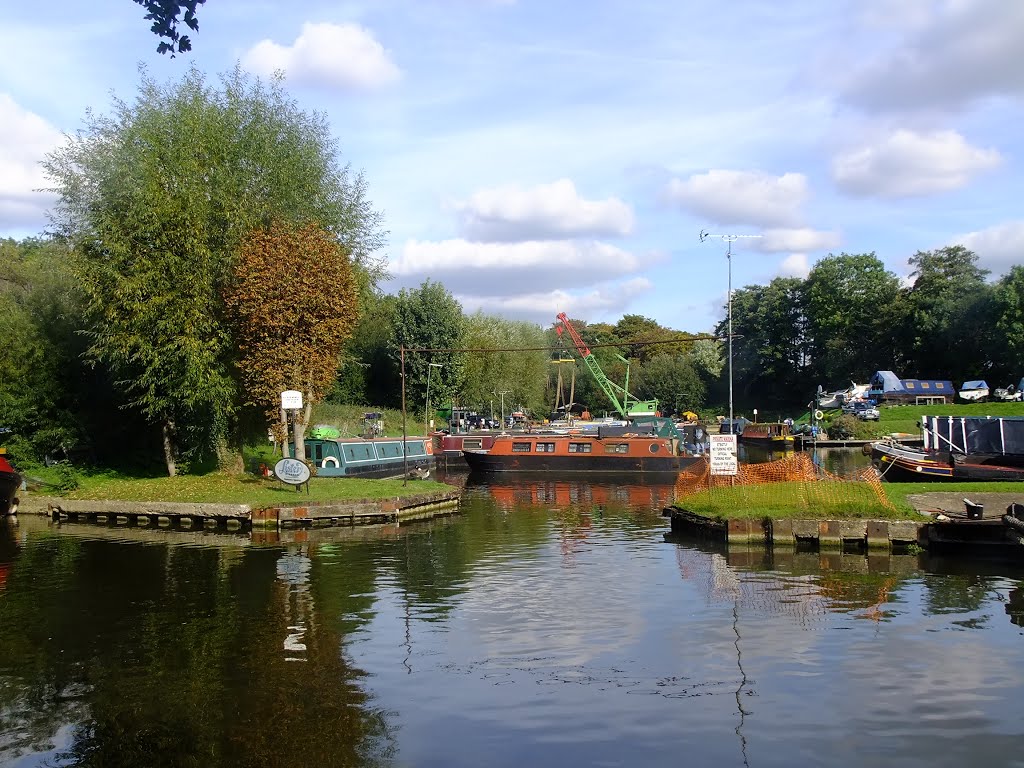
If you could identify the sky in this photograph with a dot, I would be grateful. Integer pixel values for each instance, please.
(544, 157)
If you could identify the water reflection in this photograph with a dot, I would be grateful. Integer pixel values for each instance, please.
(550, 623)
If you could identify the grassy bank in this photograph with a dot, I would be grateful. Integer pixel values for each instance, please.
(826, 500)
(907, 418)
(804, 500)
(246, 489)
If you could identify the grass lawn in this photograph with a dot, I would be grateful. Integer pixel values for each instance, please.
(907, 418)
(244, 489)
(804, 500)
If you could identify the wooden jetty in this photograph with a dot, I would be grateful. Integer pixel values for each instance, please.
(194, 516)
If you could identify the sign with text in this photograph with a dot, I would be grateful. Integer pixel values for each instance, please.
(723, 455)
(291, 471)
(291, 400)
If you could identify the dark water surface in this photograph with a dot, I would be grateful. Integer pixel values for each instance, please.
(549, 624)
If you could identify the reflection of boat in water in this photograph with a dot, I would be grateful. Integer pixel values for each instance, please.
(957, 448)
(635, 493)
(625, 453)
(377, 457)
(10, 482)
(774, 434)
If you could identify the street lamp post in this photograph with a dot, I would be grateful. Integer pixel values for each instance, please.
(426, 415)
(728, 256)
(503, 393)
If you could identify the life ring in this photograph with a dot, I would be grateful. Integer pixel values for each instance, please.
(329, 461)
(818, 415)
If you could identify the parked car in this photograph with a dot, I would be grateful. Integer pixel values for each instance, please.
(866, 412)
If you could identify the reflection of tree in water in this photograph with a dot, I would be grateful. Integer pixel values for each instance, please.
(956, 593)
(162, 655)
(1015, 606)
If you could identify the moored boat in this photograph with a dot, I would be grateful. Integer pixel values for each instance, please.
(10, 482)
(451, 446)
(649, 455)
(773, 434)
(957, 448)
(375, 457)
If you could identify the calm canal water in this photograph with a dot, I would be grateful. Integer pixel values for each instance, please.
(549, 624)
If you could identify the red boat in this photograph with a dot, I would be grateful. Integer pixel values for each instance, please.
(584, 453)
(449, 448)
(10, 482)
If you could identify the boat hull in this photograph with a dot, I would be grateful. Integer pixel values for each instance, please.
(583, 455)
(906, 465)
(10, 482)
(374, 458)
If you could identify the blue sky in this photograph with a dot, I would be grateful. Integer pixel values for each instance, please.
(540, 157)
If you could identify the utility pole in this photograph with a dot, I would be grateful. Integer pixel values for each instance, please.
(502, 393)
(728, 255)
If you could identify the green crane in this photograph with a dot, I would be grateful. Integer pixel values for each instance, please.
(629, 405)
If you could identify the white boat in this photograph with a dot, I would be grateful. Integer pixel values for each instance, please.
(974, 391)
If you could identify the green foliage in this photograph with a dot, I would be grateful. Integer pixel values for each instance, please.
(430, 318)
(164, 15)
(849, 301)
(1009, 326)
(949, 316)
(770, 357)
(673, 380)
(842, 427)
(524, 375)
(156, 198)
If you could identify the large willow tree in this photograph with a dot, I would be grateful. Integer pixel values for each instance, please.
(156, 198)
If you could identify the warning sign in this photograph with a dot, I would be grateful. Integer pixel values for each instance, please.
(723, 455)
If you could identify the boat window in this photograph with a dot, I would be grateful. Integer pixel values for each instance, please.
(579, 447)
(654, 448)
(472, 445)
(545, 447)
(520, 447)
(924, 385)
(616, 448)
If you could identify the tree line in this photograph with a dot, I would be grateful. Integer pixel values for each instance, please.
(851, 317)
(210, 249)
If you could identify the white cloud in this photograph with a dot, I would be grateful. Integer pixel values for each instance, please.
(795, 265)
(998, 247)
(338, 55)
(803, 240)
(25, 138)
(547, 211)
(607, 300)
(965, 51)
(908, 164)
(509, 269)
(742, 197)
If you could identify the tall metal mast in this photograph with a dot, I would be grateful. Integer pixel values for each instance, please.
(728, 255)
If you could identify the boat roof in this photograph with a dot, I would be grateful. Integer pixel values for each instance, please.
(978, 384)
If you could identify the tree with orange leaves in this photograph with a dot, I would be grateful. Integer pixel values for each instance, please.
(293, 304)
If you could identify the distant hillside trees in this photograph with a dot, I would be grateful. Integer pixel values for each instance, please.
(155, 200)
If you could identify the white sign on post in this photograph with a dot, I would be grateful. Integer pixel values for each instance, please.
(723, 455)
(291, 400)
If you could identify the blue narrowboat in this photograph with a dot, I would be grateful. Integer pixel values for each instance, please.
(375, 457)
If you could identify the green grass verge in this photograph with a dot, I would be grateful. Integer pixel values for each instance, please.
(898, 492)
(803, 500)
(907, 418)
(245, 489)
